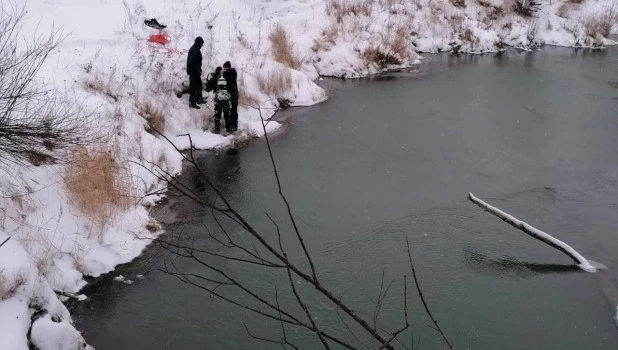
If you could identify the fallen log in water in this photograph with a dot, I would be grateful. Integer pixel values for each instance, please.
(581, 262)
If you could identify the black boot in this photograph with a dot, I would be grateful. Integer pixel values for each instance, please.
(200, 100)
(194, 105)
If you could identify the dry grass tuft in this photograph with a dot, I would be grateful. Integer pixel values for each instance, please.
(282, 48)
(342, 8)
(97, 184)
(9, 286)
(327, 39)
(154, 117)
(276, 82)
(95, 84)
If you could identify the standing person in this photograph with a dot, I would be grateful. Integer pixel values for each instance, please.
(194, 70)
(230, 76)
(218, 84)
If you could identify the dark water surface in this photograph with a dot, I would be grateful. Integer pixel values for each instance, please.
(393, 157)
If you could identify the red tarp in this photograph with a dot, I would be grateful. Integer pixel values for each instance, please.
(160, 38)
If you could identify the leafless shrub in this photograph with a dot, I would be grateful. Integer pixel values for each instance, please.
(342, 8)
(380, 57)
(523, 8)
(399, 44)
(33, 118)
(467, 35)
(96, 84)
(97, 184)
(275, 82)
(601, 23)
(282, 48)
(565, 9)
(493, 13)
(155, 119)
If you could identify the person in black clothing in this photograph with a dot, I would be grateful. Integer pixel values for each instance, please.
(223, 97)
(230, 76)
(194, 70)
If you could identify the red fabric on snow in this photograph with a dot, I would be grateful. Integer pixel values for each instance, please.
(161, 38)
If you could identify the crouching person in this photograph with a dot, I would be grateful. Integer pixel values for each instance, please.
(218, 85)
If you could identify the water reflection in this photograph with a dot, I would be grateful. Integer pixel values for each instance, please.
(508, 266)
(222, 168)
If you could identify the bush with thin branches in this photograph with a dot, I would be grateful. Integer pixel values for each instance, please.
(601, 23)
(32, 116)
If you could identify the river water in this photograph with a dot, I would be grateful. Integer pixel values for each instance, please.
(394, 157)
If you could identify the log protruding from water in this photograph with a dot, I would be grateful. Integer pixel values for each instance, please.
(581, 262)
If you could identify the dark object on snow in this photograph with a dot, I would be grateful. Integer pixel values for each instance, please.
(230, 76)
(283, 103)
(194, 70)
(153, 23)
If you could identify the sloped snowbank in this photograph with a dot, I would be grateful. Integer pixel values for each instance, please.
(108, 62)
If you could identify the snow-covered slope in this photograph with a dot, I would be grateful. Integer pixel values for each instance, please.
(107, 62)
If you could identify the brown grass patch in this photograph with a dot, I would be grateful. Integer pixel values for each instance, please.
(342, 8)
(97, 184)
(282, 48)
(155, 119)
(276, 82)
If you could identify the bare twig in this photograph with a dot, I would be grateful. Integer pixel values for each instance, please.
(6, 240)
(420, 293)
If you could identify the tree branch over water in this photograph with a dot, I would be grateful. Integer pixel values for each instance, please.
(253, 249)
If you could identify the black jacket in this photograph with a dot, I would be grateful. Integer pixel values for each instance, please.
(194, 61)
(211, 84)
(230, 78)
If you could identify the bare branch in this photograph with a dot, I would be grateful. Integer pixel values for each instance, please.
(420, 293)
(6, 240)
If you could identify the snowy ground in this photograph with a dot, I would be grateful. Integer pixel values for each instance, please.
(107, 62)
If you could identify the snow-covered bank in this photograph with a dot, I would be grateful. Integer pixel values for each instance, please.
(131, 84)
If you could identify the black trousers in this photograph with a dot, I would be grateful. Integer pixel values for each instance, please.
(195, 88)
(222, 107)
(234, 115)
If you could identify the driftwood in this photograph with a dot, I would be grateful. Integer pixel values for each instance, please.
(78, 297)
(581, 262)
